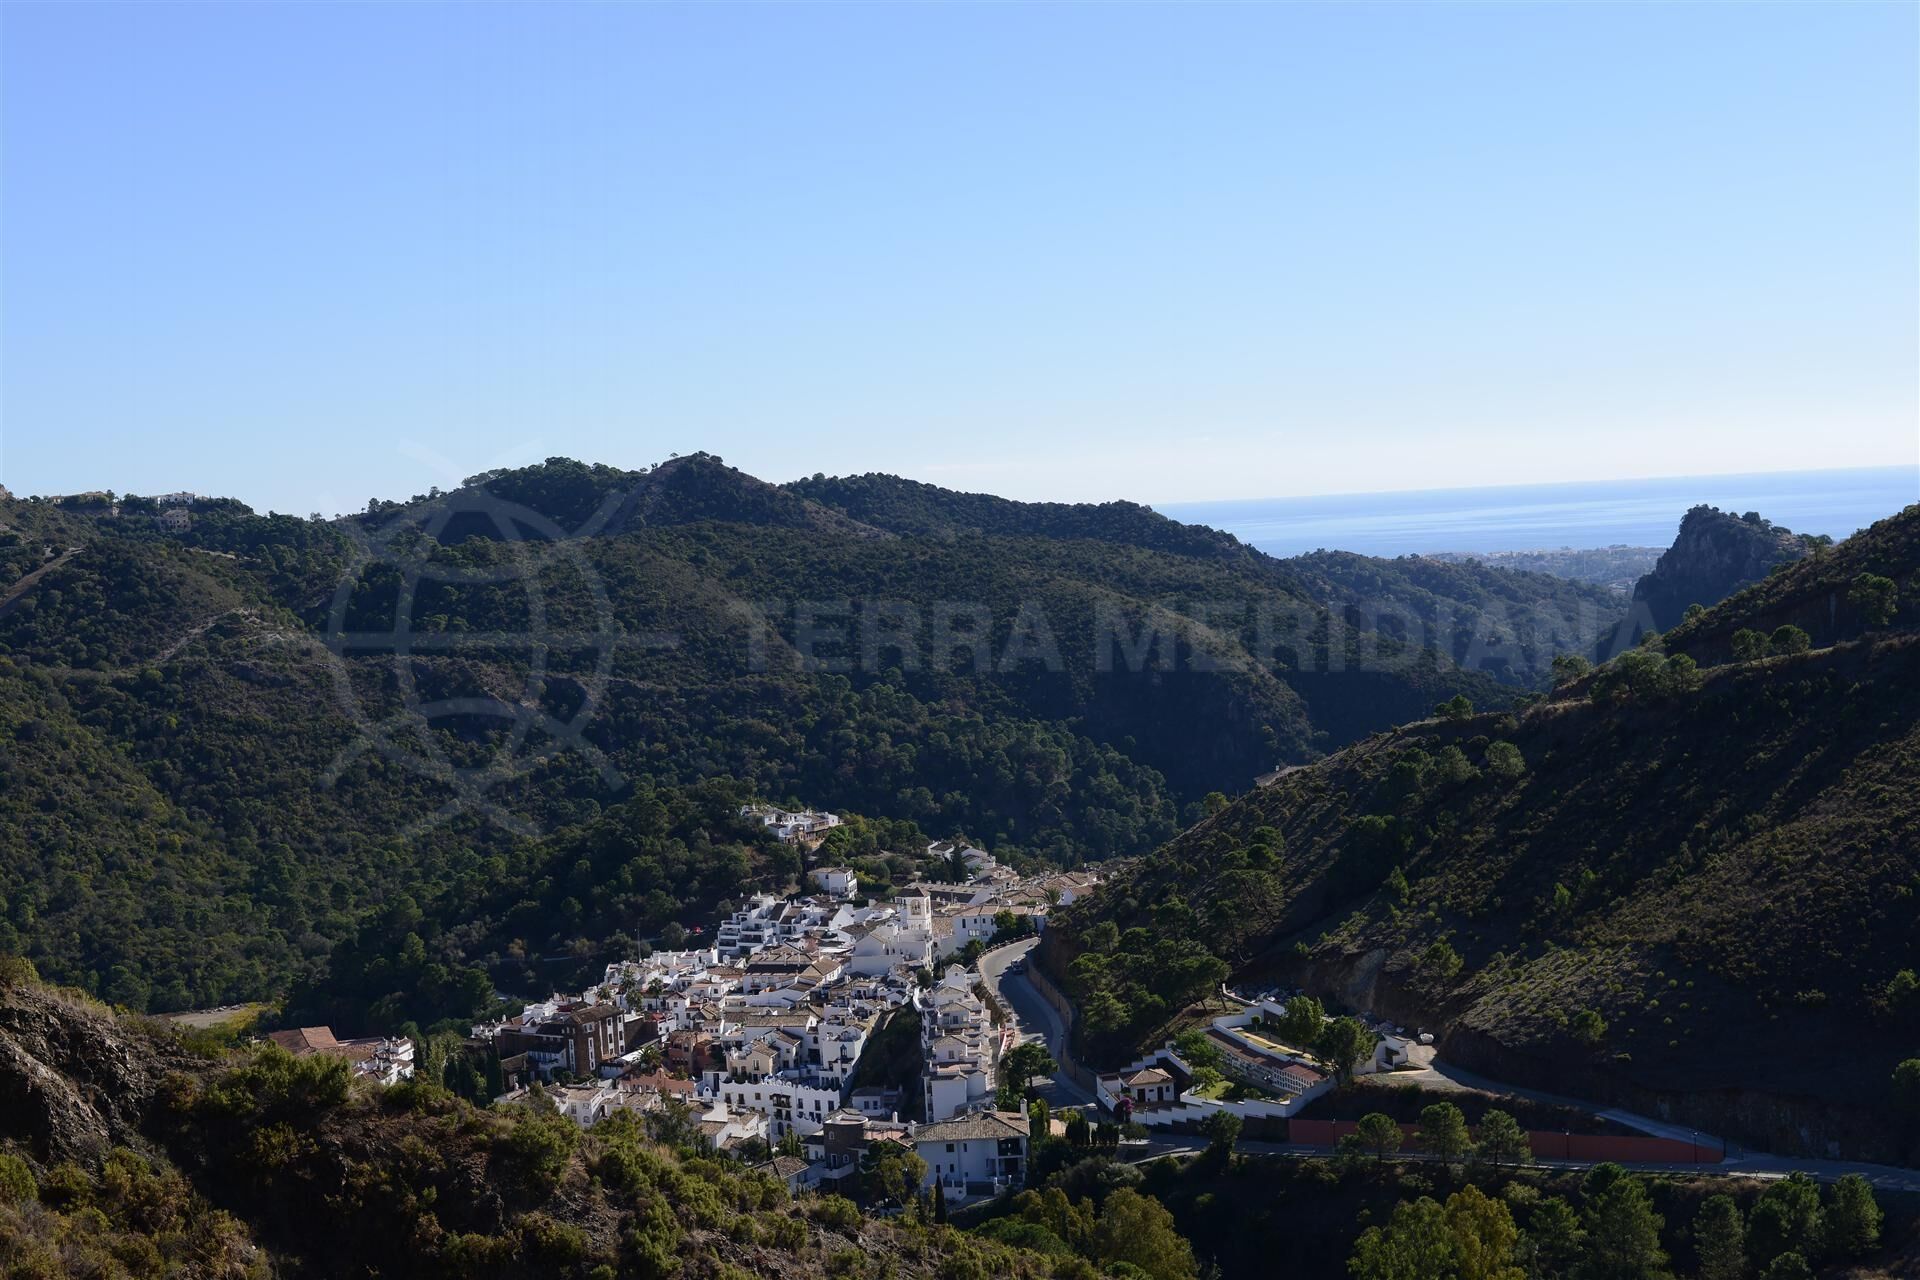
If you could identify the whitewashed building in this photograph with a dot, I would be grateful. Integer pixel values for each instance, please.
(959, 1045)
(976, 1155)
(841, 882)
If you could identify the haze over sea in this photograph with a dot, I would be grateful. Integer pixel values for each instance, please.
(1595, 513)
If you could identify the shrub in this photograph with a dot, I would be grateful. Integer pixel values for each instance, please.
(536, 1150)
(16, 971)
(17, 1185)
(1903, 990)
(1504, 760)
(276, 1084)
(1906, 1088)
(1788, 1266)
(837, 1212)
(551, 1243)
(1789, 640)
(1876, 597)
(1853, 1218)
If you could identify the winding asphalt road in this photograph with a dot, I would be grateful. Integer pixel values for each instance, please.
(1033, 1019)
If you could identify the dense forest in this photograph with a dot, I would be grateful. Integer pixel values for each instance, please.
(1710, 841)
(1505, 622)
(267, 754)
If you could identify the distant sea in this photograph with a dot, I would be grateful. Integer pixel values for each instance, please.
(1597, 513)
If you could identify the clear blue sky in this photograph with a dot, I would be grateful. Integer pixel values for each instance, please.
(309, 254)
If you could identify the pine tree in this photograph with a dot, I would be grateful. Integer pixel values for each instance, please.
(1788, 1266)
(1623, 1235)
(1853, 1218)
(1720, 1236)
(1788, 1219)
(1502, 1139)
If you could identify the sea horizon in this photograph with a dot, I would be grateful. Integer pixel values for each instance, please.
(1579, 514)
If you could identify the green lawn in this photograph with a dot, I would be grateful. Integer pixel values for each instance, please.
(1230, 1090)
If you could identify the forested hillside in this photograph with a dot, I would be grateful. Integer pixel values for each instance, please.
(242, 756)
(910, 507)
(1505, 622)
(1861, 587)
(1671, 885)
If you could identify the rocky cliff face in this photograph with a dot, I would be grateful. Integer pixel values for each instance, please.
(1715, 554)
(73, 1080)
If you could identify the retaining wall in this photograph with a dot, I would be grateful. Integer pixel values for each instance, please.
(1546, 1144)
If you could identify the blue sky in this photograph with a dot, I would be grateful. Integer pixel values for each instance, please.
(309, 254)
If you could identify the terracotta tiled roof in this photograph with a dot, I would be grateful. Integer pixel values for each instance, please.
(305, 1040)
(977, 1125)
(784, 1167)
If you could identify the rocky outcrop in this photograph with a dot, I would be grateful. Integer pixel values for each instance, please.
(74, 1081)
(1715, 554)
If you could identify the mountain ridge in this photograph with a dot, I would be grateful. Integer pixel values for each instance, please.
(266, 730)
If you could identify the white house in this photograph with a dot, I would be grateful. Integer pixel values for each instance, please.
(840, 1044)
(978, 861)
(959, 1045)
(1066, 886)
(841, 882)
(980, 1154)
(790, 1105)
(387, 1059)
(1150, 1087)
(902, 939)
(971, 923)
(724, 1128)
(585, 1104)
(790, 826)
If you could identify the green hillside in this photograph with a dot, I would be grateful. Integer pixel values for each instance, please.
(218, 780)
(1507, 623)
(1675, 887)
(1863, 586)
(910, 507)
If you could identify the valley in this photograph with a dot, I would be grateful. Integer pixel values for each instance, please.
(1076, 772)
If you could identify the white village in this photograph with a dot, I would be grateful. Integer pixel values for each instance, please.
(757, 1039)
